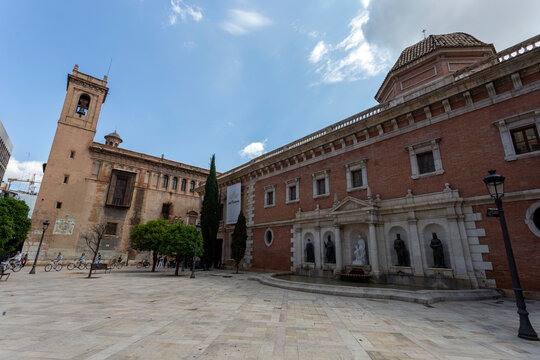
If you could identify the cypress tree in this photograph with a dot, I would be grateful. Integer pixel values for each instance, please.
(239, 238)
(210, 215)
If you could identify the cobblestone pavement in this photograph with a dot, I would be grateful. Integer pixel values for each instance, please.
(139, 315)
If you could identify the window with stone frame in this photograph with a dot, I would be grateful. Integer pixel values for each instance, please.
(321, 183)
(269, 196)
(165, 183)
(192, 186)
(166, 210)
(174, 184)
(121, 188)
(111, 228)
(356, 174)
(525, 139)
(519, 135)
(183, 185)
(292, 192)
(425, 159)
(426, 164)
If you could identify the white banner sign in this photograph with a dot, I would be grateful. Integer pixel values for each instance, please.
(234, 202)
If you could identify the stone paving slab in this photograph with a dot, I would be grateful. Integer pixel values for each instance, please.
(136, 314)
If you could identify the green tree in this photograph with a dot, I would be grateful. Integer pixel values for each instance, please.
(14, 223)
(210, 214)
(149, 237)
(180, 243)
(239, 238)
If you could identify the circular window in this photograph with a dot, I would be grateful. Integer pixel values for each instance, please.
(532, 218)
(268, 237)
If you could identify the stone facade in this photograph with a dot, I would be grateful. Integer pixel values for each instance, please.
(413, 166)
(87, 182)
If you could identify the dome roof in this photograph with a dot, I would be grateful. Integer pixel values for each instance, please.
(114, 134)
(435, 42)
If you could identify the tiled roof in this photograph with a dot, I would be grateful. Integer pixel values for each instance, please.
(434, 42)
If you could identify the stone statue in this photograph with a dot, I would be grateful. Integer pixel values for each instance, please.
(330, 251)
(438, 253)
(310, 252)
(360, 252)
(401, 251)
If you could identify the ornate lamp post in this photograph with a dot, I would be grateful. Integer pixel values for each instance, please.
(495, 186)
(198, 226)
(45, 226)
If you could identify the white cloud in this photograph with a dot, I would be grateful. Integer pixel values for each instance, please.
(318, 52)
(180, 8)
(353, 58)
(253, 150)
(241, 22)
(23, 170)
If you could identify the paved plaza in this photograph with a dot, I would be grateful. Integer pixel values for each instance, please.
(141, 315)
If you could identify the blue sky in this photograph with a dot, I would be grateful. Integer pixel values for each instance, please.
(190, 78)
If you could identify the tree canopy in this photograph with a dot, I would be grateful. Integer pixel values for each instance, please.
(179, 241)
(150, 237)
(14, 223)
(239, 238)
(210, 214)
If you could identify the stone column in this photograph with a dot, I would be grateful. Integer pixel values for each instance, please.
(339, 260)
(455, 248)
(373, 251)
(415, 242)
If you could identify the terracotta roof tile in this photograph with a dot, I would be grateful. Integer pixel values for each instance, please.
(434, 42)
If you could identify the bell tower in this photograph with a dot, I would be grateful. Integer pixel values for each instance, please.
(69, 163)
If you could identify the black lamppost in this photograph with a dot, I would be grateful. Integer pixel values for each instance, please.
(495, 185)
(45, 226)
(198, 226)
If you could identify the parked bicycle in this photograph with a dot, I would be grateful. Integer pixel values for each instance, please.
(53, 265)
(145, 263)
(81, 265)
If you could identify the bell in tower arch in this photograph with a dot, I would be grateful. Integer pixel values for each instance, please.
(82, 106)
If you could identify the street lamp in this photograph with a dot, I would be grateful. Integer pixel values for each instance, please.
(45, 226)
(495, 186)
(198, 226)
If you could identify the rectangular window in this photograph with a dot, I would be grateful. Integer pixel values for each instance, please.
(292, 193)
(174, 183)
(426, 164)
(356, 178)
(156, 179)
(58, 205)
(183, 185)
(111, 228)
(270, 198)
(525, 139)
(321, 187)
(66, 179)
(121, 188)
(72, 154)
(165, 181)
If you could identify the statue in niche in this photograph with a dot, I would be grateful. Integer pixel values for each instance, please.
(401, 251)
(438, 252)
(360, 252)
(330, 251)
(310, 252)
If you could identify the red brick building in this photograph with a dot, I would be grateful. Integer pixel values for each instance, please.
(450, 109)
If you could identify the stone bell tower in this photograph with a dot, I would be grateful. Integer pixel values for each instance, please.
(59, 199)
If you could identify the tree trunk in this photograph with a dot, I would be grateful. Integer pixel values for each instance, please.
(237, 265)
(94, 258)
(184, 263)
(177, 265)
(154, 260)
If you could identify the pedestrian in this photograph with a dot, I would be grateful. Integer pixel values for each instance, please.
(160, 262)
(98, 259)
(165, 261)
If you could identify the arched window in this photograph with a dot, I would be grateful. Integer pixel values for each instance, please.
(83, 104)
(165, 181)
(183, 186)
(174, 183)
(192, 186)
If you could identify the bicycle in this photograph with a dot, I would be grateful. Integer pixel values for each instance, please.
(81, 265)
(9, 265)
(144, 263)
(53, 265)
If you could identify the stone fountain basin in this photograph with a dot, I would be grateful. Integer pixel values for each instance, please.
(420, 296)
